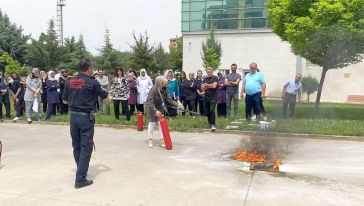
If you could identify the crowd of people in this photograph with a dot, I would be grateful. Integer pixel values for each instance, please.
(42, 92)
(38, 89)
(201, 94)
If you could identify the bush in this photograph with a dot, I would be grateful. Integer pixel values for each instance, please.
(309, 85)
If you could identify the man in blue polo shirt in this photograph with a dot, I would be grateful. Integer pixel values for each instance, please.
(254, 87)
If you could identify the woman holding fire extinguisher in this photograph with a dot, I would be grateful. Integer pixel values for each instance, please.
(157, 102)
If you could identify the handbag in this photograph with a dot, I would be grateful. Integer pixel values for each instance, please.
(35, 105)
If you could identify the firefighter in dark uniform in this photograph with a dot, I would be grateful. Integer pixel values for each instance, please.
(80, 94)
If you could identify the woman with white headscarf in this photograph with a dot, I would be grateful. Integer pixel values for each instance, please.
(33, 94)
(144, 84)
(52, 94)
(157, 101)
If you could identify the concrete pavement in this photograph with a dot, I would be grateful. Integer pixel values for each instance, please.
(38, 169)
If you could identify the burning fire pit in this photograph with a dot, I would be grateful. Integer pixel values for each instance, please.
(257, 161)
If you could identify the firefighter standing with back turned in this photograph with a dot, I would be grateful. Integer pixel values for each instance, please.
(80, 94)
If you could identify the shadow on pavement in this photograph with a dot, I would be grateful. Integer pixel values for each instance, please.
(95, 170)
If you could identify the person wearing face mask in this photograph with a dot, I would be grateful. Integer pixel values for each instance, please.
(158, 101)
(4, 99)
(17, 91)
(80, 93)
(52, 94)
(33, 93)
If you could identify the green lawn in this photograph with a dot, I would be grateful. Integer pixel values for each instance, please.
(333, 119)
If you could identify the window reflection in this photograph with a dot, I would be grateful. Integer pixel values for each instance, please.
(199, 15)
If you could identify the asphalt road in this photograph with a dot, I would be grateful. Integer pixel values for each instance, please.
(37, 168)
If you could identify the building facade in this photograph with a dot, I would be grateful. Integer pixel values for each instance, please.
(242, 28)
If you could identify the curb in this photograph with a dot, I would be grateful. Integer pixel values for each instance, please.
(221, 131)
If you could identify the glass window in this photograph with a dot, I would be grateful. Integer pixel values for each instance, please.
(230, 14)
(185, 26)
(185, 16)
(255, 3)
(234, 3)
(198, 6)
(228, 24)
(200, 15)
(252, 12)
(214, 4)
(185, 6)
(212, 24)
(197, 25)
(256, 23)
(214, 14)
(197, 15)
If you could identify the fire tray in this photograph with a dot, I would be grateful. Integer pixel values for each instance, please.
(264, 166)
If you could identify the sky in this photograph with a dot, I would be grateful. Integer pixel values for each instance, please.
(160, 18)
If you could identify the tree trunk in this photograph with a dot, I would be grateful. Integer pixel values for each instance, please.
(318, 98)
(308, 97)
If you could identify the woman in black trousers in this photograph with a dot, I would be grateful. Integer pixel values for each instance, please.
(120, 93)
(52, 94)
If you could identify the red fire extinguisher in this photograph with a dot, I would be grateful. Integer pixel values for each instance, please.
(165, 131)
(140, 121)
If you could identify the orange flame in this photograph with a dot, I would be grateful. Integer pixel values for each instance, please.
(254, 157)
(277, 162)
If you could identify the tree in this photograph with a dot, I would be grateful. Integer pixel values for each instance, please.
(45, 53)
(142, 52)
(12, 40)
(309, 86)
(160, 59)
(11, 65)
(107, 58)
(104, 59)
(329, 33)
(211, 51)
(123, 58)
(176, 55)
(81, 51)
(73, 52)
